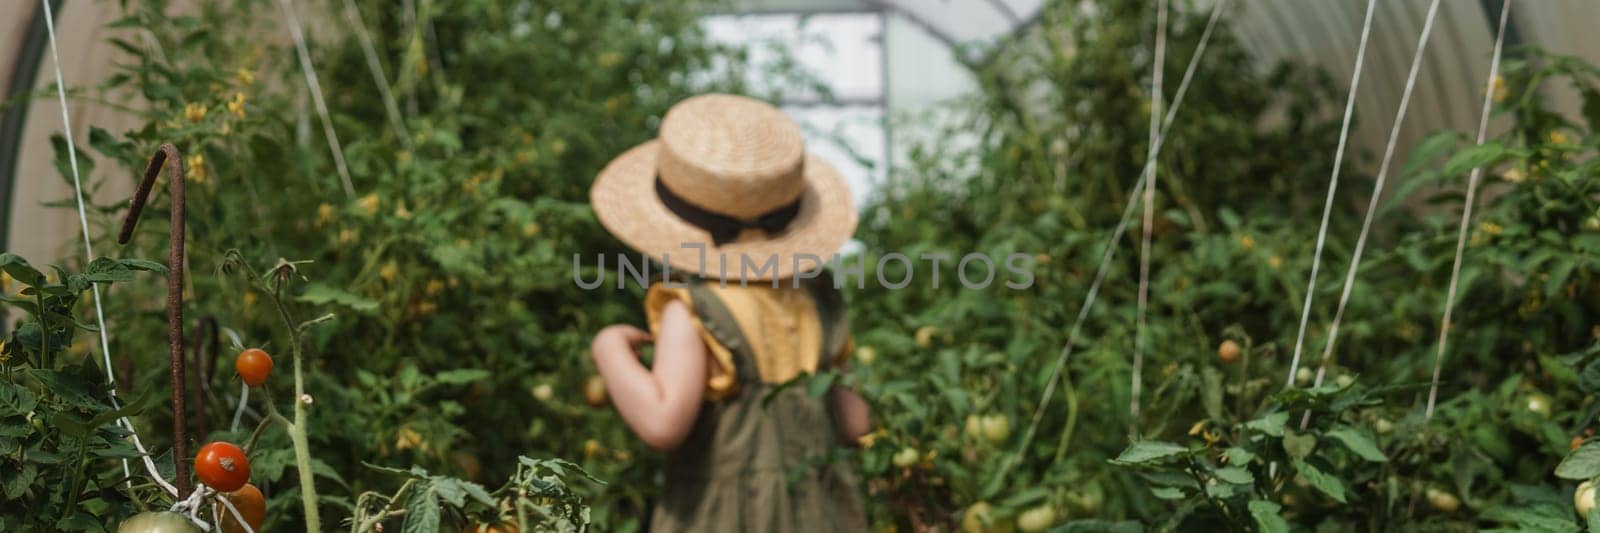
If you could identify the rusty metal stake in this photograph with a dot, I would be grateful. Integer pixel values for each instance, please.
(169, 156)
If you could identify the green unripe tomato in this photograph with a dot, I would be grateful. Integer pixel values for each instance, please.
(1583, 499)
(1037, 519)
(906, 457)
(1538, 403)
(996, 427)
(157, 522)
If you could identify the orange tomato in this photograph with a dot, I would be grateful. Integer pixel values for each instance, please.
(253, 366)
(594, 391)
(1229, 351)
(251, 505)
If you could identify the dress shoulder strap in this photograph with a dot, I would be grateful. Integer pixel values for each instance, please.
(719, 322)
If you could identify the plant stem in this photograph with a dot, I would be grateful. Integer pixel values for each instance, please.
(1071, 394)
(297, 428)
(385, 512)
(261, 428)
(1200, 481)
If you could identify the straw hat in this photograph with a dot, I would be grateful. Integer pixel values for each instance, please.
(732, 174)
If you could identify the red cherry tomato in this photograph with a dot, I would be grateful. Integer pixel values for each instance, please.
(253, 366)
(222, 466)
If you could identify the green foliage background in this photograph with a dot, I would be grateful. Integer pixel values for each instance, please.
(459, 341)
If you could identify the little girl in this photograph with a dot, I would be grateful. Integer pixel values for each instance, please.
(728, 198)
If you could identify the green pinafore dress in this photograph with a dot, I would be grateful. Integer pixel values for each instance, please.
(762, 456)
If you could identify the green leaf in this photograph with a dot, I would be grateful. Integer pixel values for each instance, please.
(69, 387)
(14, 481)
(105, 270)
(820, 384)
(1266, 516)
(1325, 482)
(16, 399)
(1358, 441)
(1239, 456)
(1149, 452)
(1298, 446)
(20, 270)
(1481, 155)
(1425, 152)
(422, 510)
(1234, 474)
(268, 465)
(64, 166)
(1167, 493)
(1271, 425)
(450, 490)
(1543, 517)
(1582, 464)
(461, 376)
(147, 397)
(143, 265)
(70, 425)
(322, 294)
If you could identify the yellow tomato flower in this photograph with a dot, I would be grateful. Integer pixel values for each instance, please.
(1516, 175)
(1247, 242)
(388, 271)
(250, 298)
(236, 105)
(407, 438)
(324, 214)
(194, 112)
(1558, 138)
(530, 229)
(401, 212)
(196, 165)
(1500, 90)
(434, 287)
(1276, 262)
(244, 77)
(348, 236)
(369, 203)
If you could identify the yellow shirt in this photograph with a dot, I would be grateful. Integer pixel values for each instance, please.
(780, 324)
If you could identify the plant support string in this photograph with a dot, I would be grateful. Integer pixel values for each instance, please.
(1150, 165)
(1333, 187)
(1466, 209)
(1372, 203)
(1110, 250)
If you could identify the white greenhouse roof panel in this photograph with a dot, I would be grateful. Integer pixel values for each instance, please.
(951, 21)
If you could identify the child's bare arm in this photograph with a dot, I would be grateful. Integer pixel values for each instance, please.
(659, 403)
(852, 415)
